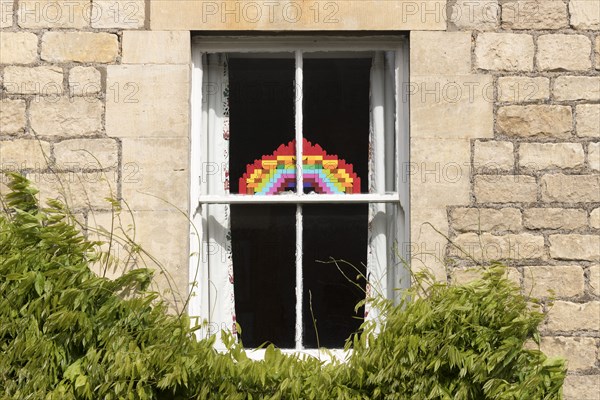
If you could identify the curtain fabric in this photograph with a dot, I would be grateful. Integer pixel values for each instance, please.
(217, 257)
(380, 278)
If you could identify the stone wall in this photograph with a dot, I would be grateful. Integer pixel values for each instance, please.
(505, 131)
(96, 106)
(512, 172)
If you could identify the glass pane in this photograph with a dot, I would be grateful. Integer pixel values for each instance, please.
(336, 110)
(264, 245)
(262, 107)
(338, 232)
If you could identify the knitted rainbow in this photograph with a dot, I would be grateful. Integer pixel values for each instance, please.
(322, 173)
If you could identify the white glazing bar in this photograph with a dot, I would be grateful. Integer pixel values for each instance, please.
(403, 152)
(204, 154)
(218, 44)
(299, 191)
(378, 121)
(301, 199)
(378, 219)
(403, 128)
(391, 138)
(299, 278)
(389, 70)
(211, 131)
(298, 117)
(196, 289)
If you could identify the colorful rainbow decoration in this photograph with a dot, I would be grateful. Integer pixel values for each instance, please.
(276, 173)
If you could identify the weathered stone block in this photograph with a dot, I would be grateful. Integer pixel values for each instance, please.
(84, 81)
(594, 156)
(84, 47)
(148, 100)
(124, 14)
(37, 80)
(18, 47)
(580, 352)
(575, 247)
(565, 316)
(535, 120)
(155, 190)
(428, 247)
(3, 188)
(597, 52)
(570, 188)
(461, 276)
(595, 280)
(504, 52)
(579, 387)
(475, 15)
(555, 218)
(39, 14)
(537, 156)
(156, 47)
(157, 154)
(595, 218)
(486, 219)
(164, 235)
(155, 173)
(505, 189)
(493, 156)
(442, 106)
(564, 52)
(588, 120)
(80, 190)
(12, 116)
(76, 116)
(577, 88)
(535, 14)
(86, 154)
(487, 247)
(438, 53)
(437, 174)
(307, 15)
(6, 13)
(585, 14)
(521, 89)
(102, 226)
(553, 281)
(24, 154)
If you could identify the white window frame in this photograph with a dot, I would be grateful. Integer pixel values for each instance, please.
(199, 285)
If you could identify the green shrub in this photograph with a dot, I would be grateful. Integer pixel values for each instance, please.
(66, 333)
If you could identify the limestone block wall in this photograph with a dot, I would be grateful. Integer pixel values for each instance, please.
(504, 123)
(96, 106)
(507, 163)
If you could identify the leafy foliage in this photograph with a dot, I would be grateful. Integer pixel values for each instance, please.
(66, 333)
(460, 342)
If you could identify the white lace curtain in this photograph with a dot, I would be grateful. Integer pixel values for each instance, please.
(212, 277)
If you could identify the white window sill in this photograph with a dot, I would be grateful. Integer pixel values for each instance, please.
(325, 355)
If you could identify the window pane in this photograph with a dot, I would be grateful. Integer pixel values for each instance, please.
(338, 231)
(261, 105)
(336, 109)
(264, 245)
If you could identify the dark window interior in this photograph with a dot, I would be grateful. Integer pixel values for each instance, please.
(336, 109)
(336, 116)
(261, 107)
(264, 259)
(340, 232)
